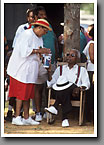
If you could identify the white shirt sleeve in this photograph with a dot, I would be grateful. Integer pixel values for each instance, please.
(84, 78)
(55, 76)
(85, 51)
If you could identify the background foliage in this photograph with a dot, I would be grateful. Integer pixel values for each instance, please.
(88, 7)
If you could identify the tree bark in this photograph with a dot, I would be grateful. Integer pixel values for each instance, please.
(71, 26)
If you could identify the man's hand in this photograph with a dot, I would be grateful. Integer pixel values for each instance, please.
(44, 51)
(50, 68)
(76, 92)
(82, 88)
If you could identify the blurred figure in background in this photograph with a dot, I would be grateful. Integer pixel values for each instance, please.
(89, 52)
(49, 41)
(5, 66)
(60, 46)
(83, 40)
(20, 29)
(88, 37)
(83, 43)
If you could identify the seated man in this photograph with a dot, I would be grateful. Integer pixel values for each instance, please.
(71, 78)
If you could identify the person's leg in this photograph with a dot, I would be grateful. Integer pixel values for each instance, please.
(12, 105)
(33, 105)
(26, 104)
(18, 106)
(66, 105)
(38, 102)
(17, 120)
(27, 120)
(89, 105)
(66, 101)
(57, 101)
(62, 97)
(38, 97)
(44, 98)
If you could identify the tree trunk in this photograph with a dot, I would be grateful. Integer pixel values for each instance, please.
(71, 26)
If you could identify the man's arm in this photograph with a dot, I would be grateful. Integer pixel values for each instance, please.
(91, 52)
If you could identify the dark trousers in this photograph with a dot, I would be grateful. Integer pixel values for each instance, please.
(90, 100)
(63, 97)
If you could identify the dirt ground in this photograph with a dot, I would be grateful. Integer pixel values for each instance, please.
(44, 128)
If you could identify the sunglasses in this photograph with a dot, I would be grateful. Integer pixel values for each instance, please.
(72, 55)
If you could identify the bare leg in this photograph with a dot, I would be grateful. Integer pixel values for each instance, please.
(26, 105)
(38, 97)
(12, 102)
(18, 106)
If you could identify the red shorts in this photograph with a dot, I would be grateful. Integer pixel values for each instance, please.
(21, 91)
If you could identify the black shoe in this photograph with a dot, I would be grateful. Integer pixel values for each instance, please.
(33, 117)
(9, 116)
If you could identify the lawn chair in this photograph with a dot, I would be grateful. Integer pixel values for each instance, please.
(75, 103)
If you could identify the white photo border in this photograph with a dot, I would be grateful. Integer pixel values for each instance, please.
(2, 69)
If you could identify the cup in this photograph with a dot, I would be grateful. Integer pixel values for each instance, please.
(47, 60)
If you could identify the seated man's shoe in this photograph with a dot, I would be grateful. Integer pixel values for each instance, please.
(17, 121)
(38, 116)
(65, 123)
(30, 121)
(51, 110)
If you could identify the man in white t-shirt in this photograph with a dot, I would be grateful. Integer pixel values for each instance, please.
(49, 41)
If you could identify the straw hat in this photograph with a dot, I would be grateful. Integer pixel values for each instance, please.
(42, 22)
(62, 83)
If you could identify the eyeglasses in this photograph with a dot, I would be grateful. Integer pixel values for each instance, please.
(72, 55)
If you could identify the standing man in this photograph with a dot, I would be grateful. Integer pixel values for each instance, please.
(21, 28)
(89, 52)
(49, 41)
(23, 68)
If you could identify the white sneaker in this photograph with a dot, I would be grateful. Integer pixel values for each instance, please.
(45, 115)
(38, 117)
(51, 110)
(30, 121)
(65, 123)
(17, 121)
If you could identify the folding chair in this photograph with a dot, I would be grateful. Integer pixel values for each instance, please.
(75, 103)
